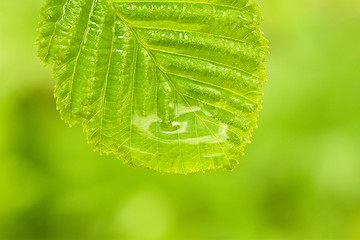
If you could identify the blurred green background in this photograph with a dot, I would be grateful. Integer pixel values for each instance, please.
(300, 179)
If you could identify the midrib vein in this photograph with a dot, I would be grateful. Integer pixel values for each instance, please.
(167, 77)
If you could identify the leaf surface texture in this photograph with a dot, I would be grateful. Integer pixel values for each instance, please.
(174, 86)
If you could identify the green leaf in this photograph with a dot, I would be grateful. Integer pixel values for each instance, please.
(170, 85)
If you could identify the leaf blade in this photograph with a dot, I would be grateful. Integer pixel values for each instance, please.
(170, 85)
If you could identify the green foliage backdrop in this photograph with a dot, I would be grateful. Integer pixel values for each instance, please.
(299, 180)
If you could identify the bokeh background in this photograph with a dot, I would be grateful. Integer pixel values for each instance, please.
(299, 179)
